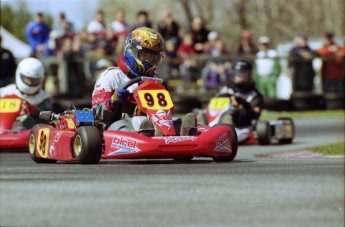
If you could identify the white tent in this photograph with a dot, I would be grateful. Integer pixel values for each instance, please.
(17, 47)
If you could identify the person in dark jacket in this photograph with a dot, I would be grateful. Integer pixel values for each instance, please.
(8, 66)
(301, 57)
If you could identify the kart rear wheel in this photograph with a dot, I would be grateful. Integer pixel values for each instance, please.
(263, 131)
(234, 144)
(288, 141)
(87, 145)
(33, 146)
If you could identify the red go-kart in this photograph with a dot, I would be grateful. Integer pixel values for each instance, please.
(76, 135)
(12, 136)
(220, 109)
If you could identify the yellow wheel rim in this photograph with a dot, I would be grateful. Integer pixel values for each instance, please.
(77, 145)
(32, 142)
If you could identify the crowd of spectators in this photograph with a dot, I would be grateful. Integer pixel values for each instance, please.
(101, 39)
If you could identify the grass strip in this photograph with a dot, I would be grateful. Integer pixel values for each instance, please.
(330, 149)
(272, 115)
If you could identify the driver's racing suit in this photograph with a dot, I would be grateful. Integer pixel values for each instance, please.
(107, 82)
(31, 105)
(251, 101)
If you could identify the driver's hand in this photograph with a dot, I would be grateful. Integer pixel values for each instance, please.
(119, 95)
(235, 103)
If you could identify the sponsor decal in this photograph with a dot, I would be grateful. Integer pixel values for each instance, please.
(162, 118)
(223, 143)
(8, 105)
(123, 146)
(175, 139)
(43, 142)
(55, 140)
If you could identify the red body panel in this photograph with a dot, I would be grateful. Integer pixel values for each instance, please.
(54, 144)
(14, 140)
(125, 145)
(10, 109)
(131, 145)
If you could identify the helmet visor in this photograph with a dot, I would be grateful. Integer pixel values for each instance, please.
(146, 55)
(242, 76)
(31, 82)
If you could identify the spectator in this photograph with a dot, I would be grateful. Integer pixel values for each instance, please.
(119, 24)
(199, 34)
(120, 29)
(215, 72)
(301, 57)
(97, 26)
(37, 34)
(169, 28)
(143, 20)
(65, 27)
(214, 45)
(266, 68)
(186, 51)
(333, 65)
(247, 47)
(173, 59)
(8, 66)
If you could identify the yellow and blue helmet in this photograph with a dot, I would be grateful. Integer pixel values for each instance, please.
(143, 52)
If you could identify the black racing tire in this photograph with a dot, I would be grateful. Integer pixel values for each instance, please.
(263, 132)
(288, 141)
(234, 144)
(33, 147)
(87, 145)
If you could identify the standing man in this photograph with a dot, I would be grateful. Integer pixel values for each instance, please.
(301, 57)
(333, 65)
(266, 68)
(37, 34)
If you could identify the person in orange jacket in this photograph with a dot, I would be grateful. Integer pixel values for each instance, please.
(333, 66)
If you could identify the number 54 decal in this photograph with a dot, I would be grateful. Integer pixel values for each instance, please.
(43, 142)
(155, 99)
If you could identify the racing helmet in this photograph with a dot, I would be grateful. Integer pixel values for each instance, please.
(30, 75)
(241, 72)
(143, 52)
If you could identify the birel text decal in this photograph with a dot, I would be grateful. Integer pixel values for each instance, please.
(222, 143)
(175, 139)
(123, 146)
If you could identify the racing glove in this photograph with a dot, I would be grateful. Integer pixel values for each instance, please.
(119, 96)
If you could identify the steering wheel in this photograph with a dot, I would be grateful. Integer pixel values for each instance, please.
(139, 80)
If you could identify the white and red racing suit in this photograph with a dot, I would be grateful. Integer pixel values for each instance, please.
(106, 84)
(31, 104)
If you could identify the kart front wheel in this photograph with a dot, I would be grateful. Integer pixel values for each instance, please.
(87, 145)
(234, 144)
(263, 132)
(33, 146)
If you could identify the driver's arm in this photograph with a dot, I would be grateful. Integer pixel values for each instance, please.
(252, 110)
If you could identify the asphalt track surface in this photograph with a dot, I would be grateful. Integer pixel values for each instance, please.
(286, 190)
